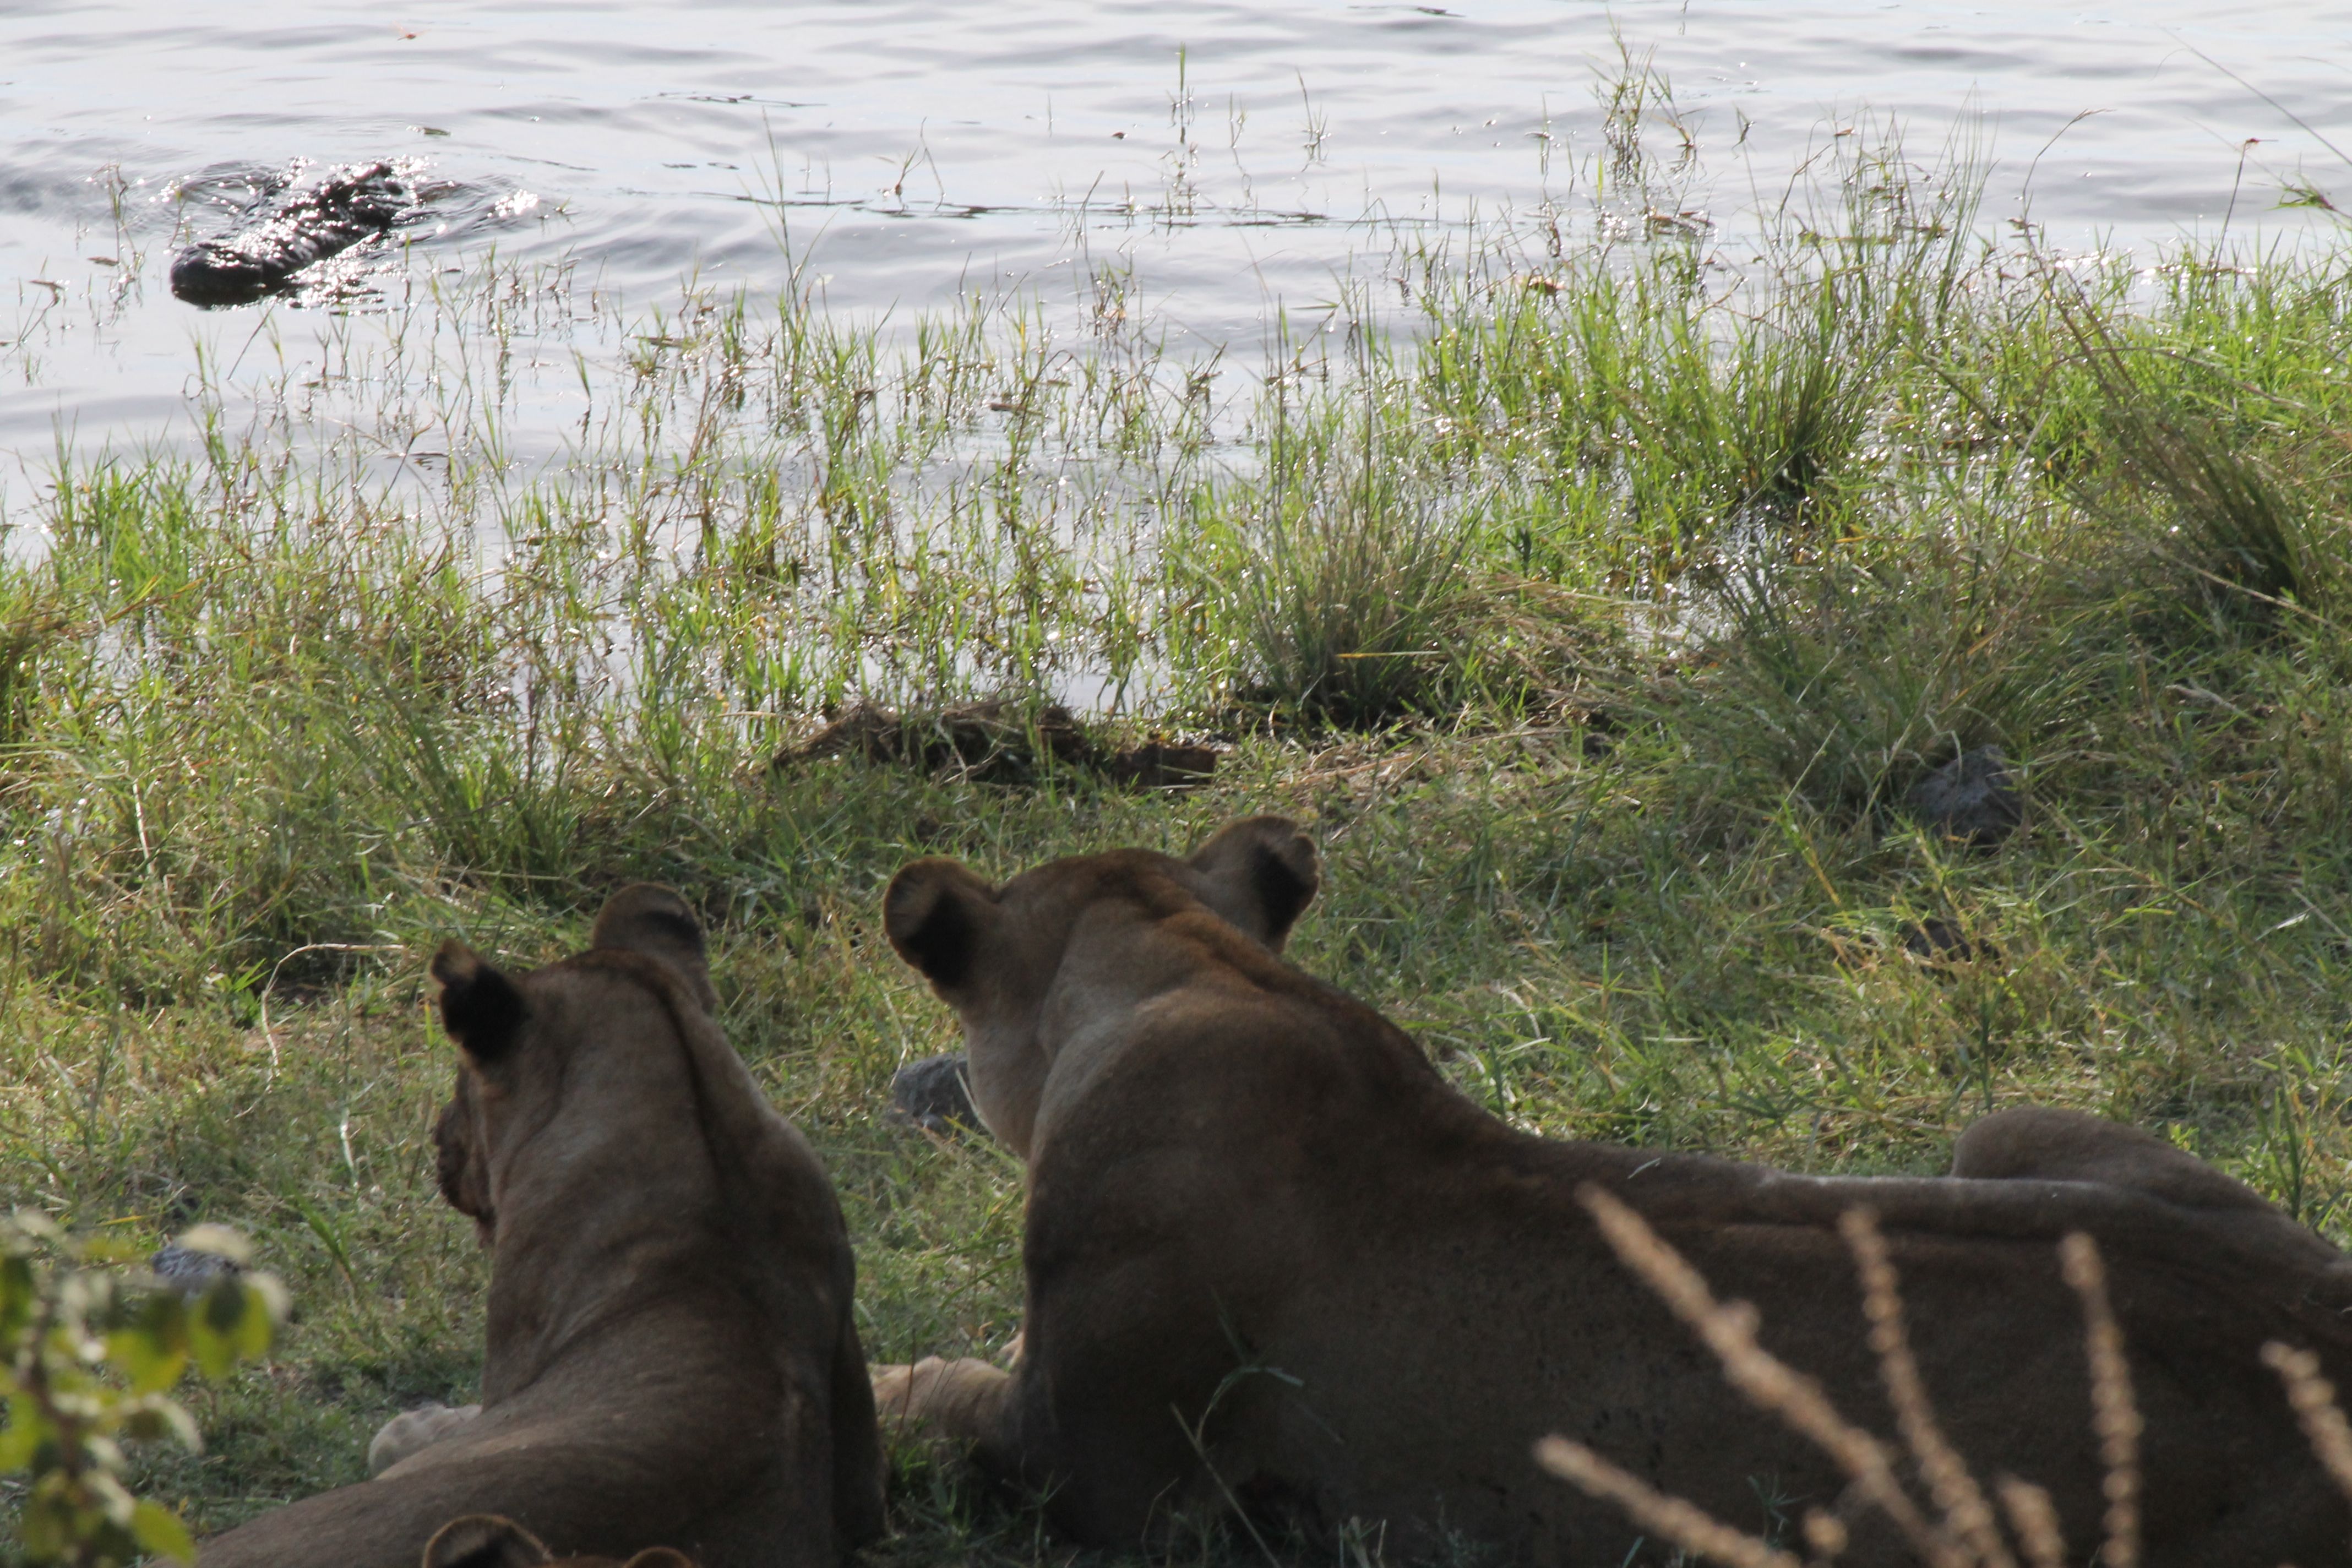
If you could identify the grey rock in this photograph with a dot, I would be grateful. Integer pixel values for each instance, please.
(934, 1094)
(1970, 799)
(188, 1271)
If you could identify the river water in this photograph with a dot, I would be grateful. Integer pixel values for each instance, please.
(1231, 158)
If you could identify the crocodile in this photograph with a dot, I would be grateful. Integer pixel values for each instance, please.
(354, 203)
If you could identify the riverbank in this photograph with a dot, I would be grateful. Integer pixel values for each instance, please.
(1601, 627)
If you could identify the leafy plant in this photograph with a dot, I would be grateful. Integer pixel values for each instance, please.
(91, 1357)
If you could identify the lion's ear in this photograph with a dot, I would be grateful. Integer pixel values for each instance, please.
(484, 1540)
(936, 914)
(479, 1006)
(649, 918)
(1262, 872)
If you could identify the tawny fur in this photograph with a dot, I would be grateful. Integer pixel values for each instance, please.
(671, 1360)
(1273, 1259)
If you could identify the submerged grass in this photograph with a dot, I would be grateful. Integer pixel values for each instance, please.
(1598, 624)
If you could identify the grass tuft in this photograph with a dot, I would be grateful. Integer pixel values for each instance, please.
(1345, 582)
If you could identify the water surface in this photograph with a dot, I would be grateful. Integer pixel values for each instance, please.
(1229, 159)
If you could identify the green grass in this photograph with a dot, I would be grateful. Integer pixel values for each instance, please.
(1669, 592)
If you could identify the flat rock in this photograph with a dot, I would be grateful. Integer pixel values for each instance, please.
(1972, 798)
(934, 1094)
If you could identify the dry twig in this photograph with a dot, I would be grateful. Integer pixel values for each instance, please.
(1954, 1489)
(1729, 1331)
(2035, 1521)
(2313, 1398)
(1682, 1522)
(2114, 1414)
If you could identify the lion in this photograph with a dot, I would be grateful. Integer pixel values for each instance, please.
(671, 1357)
(1275, 1264)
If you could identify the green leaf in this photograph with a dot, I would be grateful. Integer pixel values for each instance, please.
(222, 1307)
(214, 1351)
(105, 1457)
(154, 1417)
(19, 1439)
(45, 1530)
(148, 1367)
(19, 1296)
(264, 1308)
(150, 1346)
(216, 1326)
(234, 1320)
(159, 1531)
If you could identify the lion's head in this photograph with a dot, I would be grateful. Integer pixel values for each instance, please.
(518, 1036)
(999, 955)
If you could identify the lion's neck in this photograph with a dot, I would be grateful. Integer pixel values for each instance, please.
(604, 1229)
(1104, 992)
